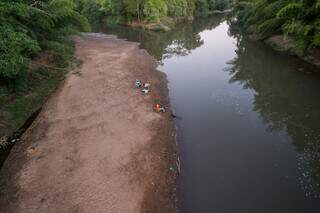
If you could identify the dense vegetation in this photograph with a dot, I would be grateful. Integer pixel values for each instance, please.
(28, 27)
(124, 11)
(179, 41)
(36, 48)
(36, 31)
(298, 19)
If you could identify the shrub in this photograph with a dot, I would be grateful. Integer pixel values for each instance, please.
(297, 19)
(154, 10)
(26, 28)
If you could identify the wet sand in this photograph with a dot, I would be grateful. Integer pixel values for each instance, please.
(97, 145)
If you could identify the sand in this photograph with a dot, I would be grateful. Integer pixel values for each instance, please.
(97, 145)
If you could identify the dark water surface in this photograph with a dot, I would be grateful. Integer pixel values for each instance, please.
(249, 137)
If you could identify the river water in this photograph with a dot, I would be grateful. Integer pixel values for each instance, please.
(249, 132)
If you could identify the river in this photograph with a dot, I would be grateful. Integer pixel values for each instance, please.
(249, 132)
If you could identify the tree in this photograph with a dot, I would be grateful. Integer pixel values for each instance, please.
(299, 19)
(28, 27)
(154, 10)
(134, 8)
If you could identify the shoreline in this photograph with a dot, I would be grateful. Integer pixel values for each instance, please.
(281, 43)
(169, 23)
(68, 121)
(285, 44)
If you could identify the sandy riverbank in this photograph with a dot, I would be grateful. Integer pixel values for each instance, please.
(97, 145)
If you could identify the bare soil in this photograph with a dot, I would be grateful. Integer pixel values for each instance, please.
(97, 145)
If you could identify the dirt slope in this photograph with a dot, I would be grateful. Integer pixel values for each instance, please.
(97, 146)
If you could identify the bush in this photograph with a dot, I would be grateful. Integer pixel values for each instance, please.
(201, 8)
(219, 4)
(177, 8)
(28, 28)
(297, 19)
(91, 10)
(16, 49)
(154, 10)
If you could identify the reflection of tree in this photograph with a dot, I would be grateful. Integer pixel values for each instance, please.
(179, 41)
(285, 99)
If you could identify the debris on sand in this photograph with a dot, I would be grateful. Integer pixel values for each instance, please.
(159, 108)
(146, 85)
(145, 91)
(146, 88)
(138, 83)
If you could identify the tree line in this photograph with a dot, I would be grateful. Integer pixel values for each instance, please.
(123, 11)
(297, 19)
(30, 27)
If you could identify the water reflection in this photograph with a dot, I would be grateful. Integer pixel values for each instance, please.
(286, 100)
(178, 42)
(249, 137)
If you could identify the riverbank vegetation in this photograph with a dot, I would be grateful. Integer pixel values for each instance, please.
(35, 48)
(30, 27)
(179, 41)
(297, 20)
(129, 11)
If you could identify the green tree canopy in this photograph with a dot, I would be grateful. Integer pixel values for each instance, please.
(299, 19)
(154, 10)
(27, 27)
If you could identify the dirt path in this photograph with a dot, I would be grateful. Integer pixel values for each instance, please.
(97, 146)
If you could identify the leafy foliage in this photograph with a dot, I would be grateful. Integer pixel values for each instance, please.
(299, 19)
(91, 10)
(218, 4)
(154, 10)
(28, 27)
(201, 8)
(16, 48)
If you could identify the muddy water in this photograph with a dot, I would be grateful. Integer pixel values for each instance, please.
(249, 137)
